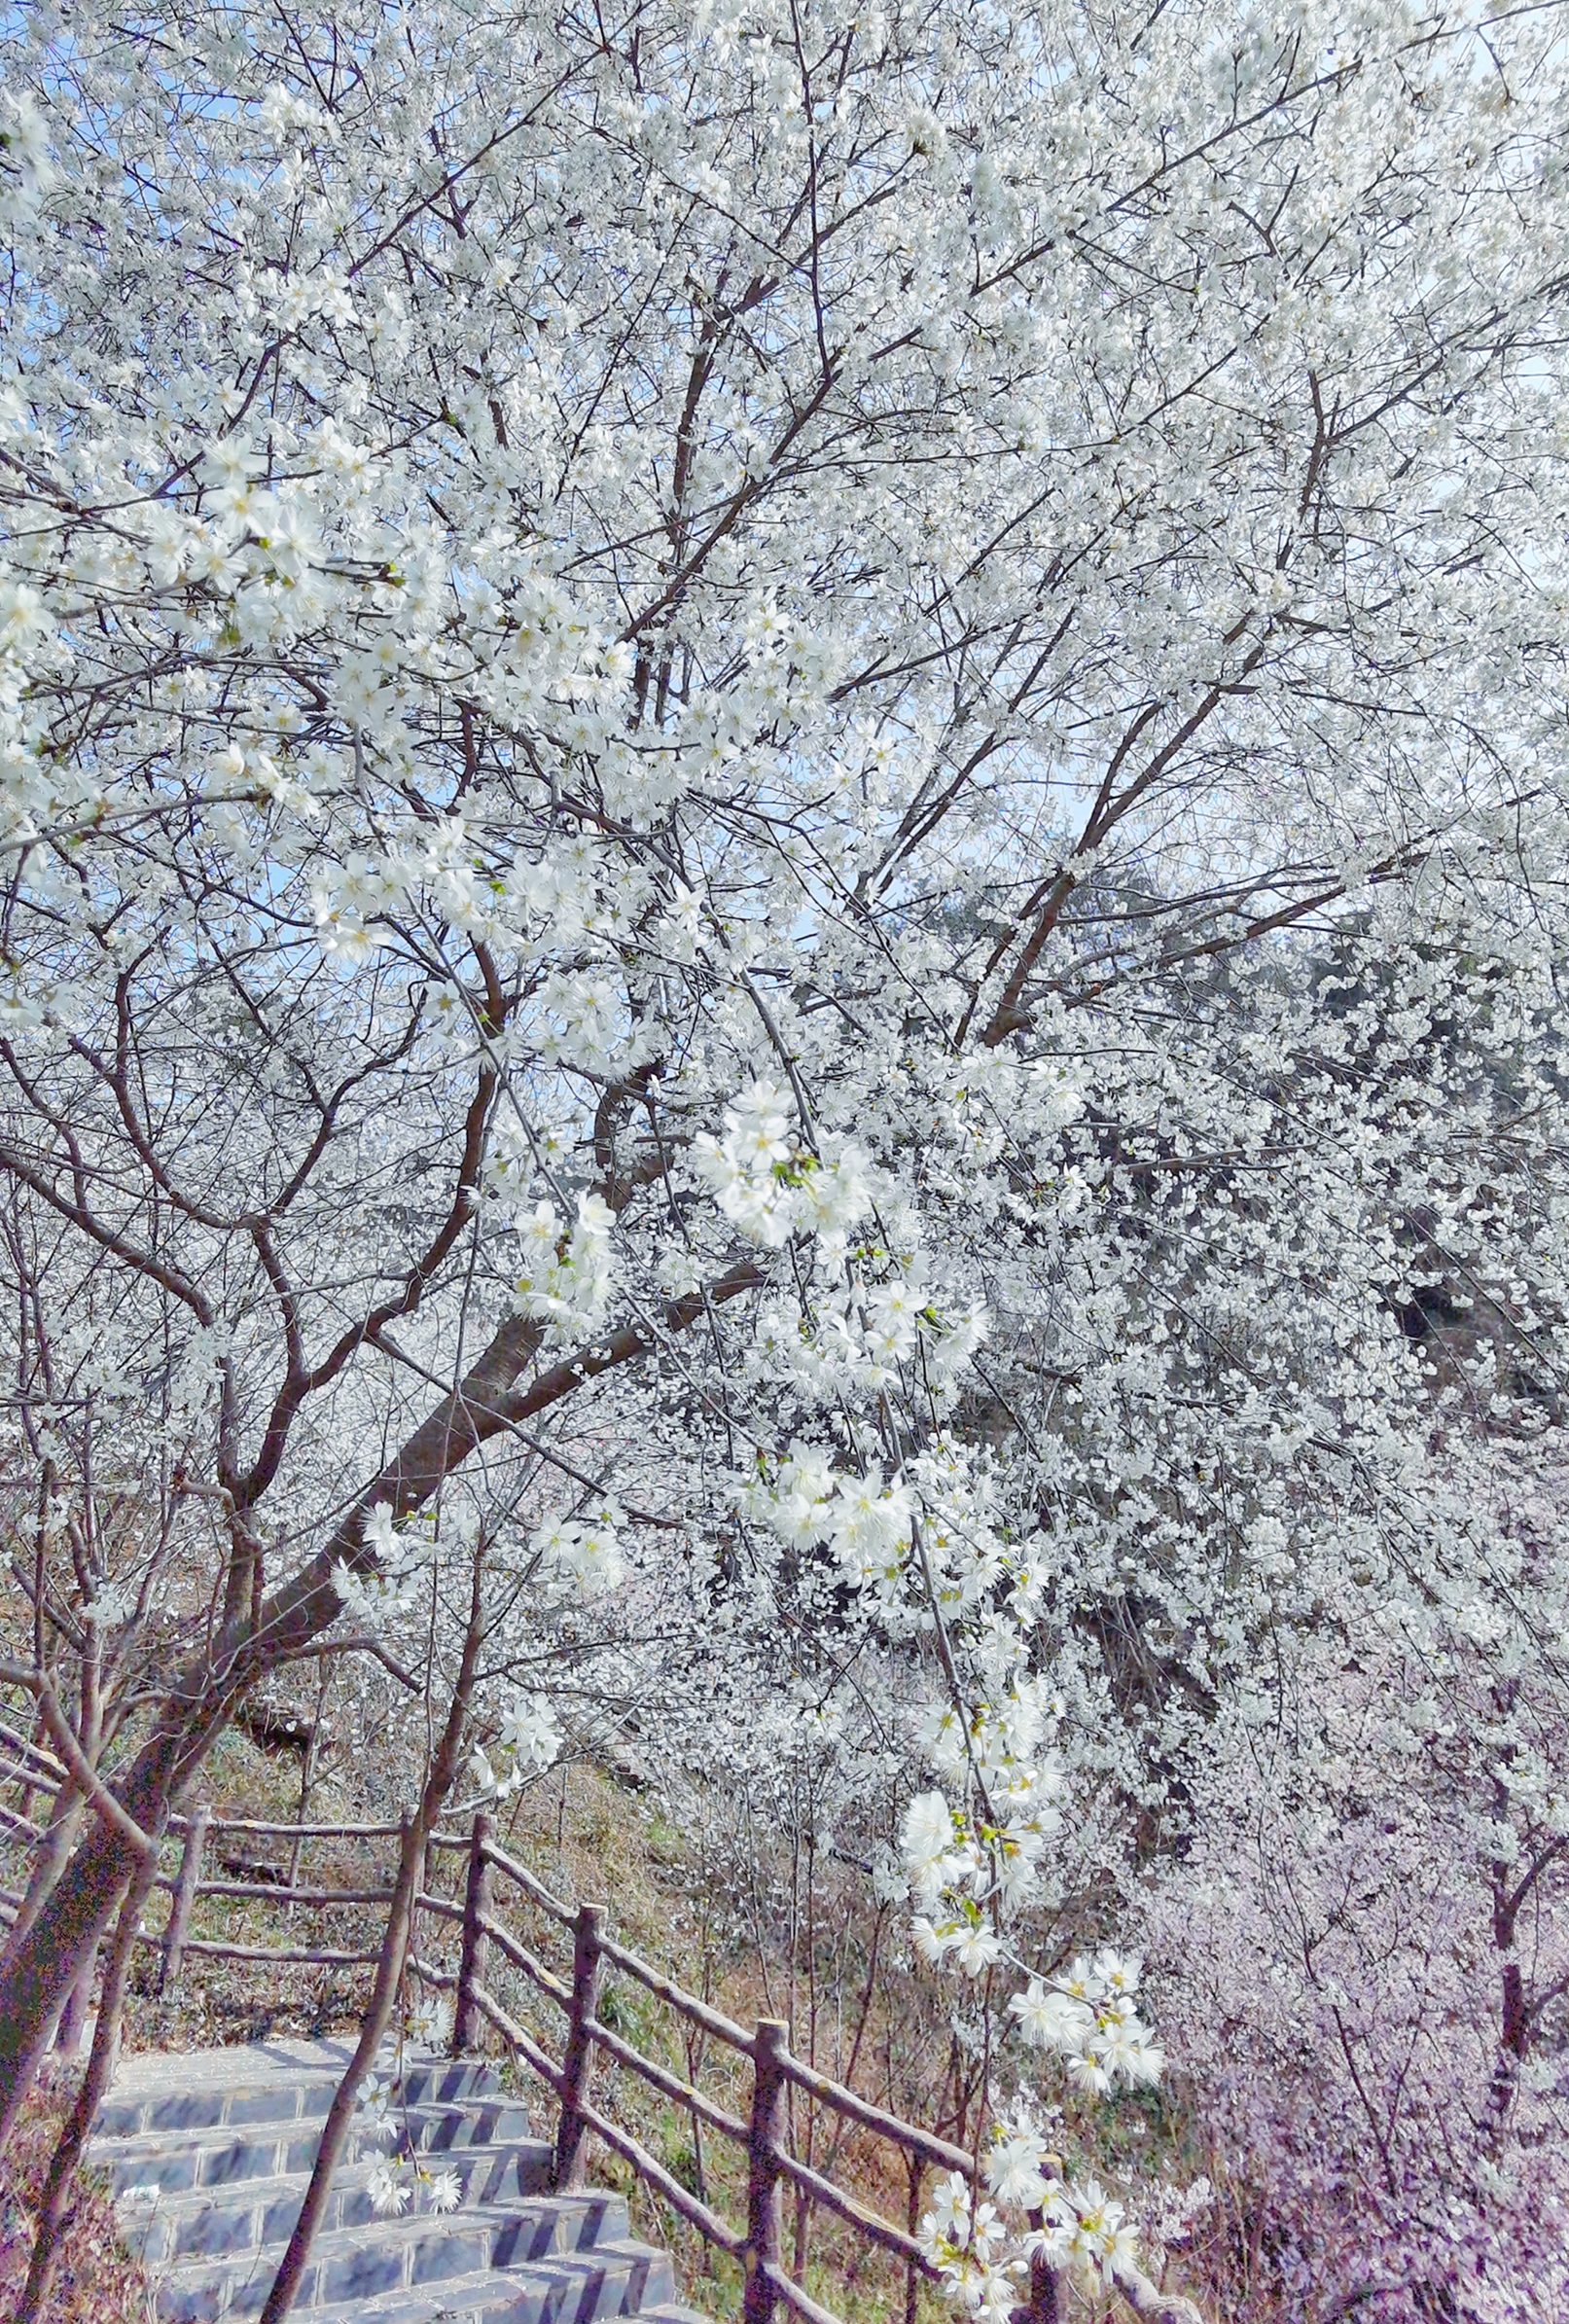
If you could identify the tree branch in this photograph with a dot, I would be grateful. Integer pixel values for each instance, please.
(18, 1674)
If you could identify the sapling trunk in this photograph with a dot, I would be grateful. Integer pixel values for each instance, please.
(54, 2213)
(389, 1971)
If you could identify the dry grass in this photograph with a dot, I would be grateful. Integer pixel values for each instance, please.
(94, 2281)
(586, 1835)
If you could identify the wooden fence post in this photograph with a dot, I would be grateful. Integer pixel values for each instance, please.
(915, 2170)
(587, 1970)
(471, 1967)
(1046, 2302)
(763, 2145)
(184, 1889)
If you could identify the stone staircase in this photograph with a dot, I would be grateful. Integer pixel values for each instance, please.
(208, 2152)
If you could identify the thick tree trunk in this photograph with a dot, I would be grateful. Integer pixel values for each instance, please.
(38, 1968)
(53, 2213)
(50, 1855)
(42, 1962)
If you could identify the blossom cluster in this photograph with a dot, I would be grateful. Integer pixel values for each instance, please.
(378, 1592)
(565, 1279)
(769, 1186)
(982, 2256)
(401, 2175)
(865, 1522)
(583, 1553)
(527, 1741)
(1087, 2016)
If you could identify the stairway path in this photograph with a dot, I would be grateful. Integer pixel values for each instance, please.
(208, 2152)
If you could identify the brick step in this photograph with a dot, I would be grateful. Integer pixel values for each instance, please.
(220, 2154)
(209, 2154)
(243, 2214)
(352, 2270)
(496, 2297)
(288, 2082)
(551, 2294)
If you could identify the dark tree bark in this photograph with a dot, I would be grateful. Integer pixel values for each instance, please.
(389, 1974)
(53, 2209)
(39, 1967)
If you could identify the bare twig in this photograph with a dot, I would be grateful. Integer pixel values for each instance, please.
(18, 1674)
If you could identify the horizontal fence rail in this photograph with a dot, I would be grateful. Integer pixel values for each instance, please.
(772, 2168)
(577, 1992)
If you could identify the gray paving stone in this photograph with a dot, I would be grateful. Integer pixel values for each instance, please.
(243, 2213)
(219, 2154)
(210, 2152)
(488, 2294)
(497, 2295)
(350, 2263)
(265, 2082)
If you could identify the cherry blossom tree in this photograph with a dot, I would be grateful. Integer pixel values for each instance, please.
(1381, 2056)
(804, 764)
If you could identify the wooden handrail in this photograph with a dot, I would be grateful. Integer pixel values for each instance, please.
(522, 1958)
(939, 2151)
(712, 2020)
(770, 2164)
(903, 2245)
(784, 2287)
(768, 2289)
(296, 1955)
(255, 1831)
(280, 1894)
(520, 2038)
(521, 1874)
(708, 2224)
(785, 2290)
(684, 2093)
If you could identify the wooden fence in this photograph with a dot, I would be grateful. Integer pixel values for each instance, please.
(771, 2288)
(771, 2069)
